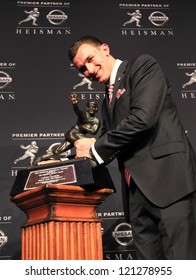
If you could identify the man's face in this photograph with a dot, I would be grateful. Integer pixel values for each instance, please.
(94, 62)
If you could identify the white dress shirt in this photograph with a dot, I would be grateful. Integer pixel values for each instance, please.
(111, 82)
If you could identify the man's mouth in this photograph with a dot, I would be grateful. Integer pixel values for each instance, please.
(95, 76)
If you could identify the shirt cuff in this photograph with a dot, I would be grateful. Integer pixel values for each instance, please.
(96, 155)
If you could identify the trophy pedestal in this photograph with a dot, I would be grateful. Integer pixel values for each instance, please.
(60, 202)
(61, 222)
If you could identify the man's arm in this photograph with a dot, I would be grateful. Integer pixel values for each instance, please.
(138, 109)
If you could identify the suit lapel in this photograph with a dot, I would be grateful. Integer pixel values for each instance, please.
(119, 77)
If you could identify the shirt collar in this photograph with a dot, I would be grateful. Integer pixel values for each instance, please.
(114, 71)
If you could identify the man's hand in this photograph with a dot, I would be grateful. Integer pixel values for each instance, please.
(83, 146)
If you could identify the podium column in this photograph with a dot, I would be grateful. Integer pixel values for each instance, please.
(61, 222)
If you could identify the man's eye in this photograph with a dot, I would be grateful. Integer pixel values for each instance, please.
(90, 59)
(82, 69)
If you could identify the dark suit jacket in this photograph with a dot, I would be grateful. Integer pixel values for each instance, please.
(145, 134)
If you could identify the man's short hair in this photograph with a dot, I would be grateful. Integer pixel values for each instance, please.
(88, 39)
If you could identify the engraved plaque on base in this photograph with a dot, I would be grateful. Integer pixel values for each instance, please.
(71, 172)
(53, 175)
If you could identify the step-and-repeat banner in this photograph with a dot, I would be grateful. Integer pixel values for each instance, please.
(37, 78)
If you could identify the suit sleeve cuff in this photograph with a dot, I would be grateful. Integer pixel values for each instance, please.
(96, 155)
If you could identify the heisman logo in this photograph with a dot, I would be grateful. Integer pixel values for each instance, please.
(3, 239)
(192, 79)
(31, 16)
(84, 81)
(30, 151)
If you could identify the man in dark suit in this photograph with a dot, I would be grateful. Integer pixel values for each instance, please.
(142, 130)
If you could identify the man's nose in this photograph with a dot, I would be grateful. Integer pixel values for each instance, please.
(90, 68)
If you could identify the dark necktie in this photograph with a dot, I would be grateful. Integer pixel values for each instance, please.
(127, 176)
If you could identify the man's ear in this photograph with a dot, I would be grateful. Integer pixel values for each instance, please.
(105, 48)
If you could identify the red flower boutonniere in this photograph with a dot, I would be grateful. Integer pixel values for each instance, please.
(120, 92)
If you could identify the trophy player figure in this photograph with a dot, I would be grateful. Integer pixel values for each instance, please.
(87, 122)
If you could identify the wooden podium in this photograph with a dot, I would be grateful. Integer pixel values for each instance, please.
(61, 222)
